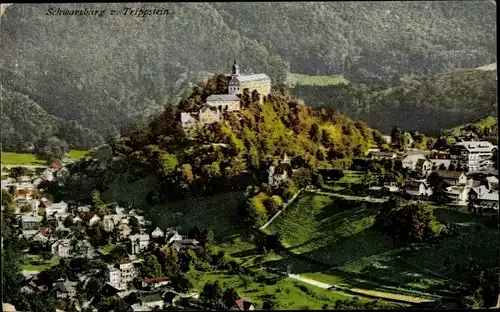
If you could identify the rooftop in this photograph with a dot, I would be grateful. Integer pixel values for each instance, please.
(447, 174)
(253, 77)
(478, 146)
(223, 97)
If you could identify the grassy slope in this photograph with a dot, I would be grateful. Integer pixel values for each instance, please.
(35, 263)
(294, 79)
(336, 232)
(289, 294)
(20, 159)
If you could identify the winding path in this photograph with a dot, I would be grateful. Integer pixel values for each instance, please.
(362, 292)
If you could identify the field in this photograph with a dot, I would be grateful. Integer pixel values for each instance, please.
(27, 159)
(75, 154)
(335, 234)
(293, 79)
(107, 249)
(35, 263)
(20, 159)
(287, 293)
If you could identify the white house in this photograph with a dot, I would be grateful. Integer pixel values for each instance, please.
(95, 218)
(472, 155)
(278, 174)
(77, 219)
(417, 188)
(157, 233)
(112, 221)
(139, 242)
(410, 161)
(492, 182)
(60, 208)
(155, 282)
(383, 155)
(453, 177)
(459, 195)
(61, 248)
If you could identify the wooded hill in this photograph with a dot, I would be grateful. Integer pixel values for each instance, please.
(105, 73)
(229, 155)
(425, 103)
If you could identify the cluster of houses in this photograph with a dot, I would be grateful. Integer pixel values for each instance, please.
(215, 106)
(468, 156)
(466, 168)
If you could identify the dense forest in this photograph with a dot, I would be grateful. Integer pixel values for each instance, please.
(105, 73)
(421, 103)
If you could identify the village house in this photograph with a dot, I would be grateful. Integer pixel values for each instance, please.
(153, 301)
(61, 248)
(417, 188)
(189, 120)
(7, 307)
(123, 231)
(440, 164)
(30, 222)
(474, 156)
(60, 208)
(95, 218)
(122, 275)
(112, 221)
(244, 304)
(157, 233)
(185, 244)
(83, 209)
(155, 282)
(492, 183)
(281, 172)
(410, 161)
(43, 235)
(173, 236)
(138, 243)
(65, 290)
(424, 166)
(453, 177)
(383, 155)
(458, 195)
(77, 220)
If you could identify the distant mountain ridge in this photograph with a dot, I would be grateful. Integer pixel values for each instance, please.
(95, 71)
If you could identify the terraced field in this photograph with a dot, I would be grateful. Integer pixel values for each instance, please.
(336, 232)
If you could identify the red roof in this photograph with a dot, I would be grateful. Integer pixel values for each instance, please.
(155, 280)
(243, 303)
(55, 165)
(45, 231)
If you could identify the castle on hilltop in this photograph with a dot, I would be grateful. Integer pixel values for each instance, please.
(217, 104)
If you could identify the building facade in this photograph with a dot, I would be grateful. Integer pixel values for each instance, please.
(259, 82)
(472, 156)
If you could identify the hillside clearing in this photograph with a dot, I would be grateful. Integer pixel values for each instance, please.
(293, 79)
(20, 159)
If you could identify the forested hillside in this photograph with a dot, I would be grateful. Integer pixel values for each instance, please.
(226, 156)
(107, 72)
(371, 39)
(425, 103)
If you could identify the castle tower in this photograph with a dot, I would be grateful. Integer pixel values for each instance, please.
(236, 69)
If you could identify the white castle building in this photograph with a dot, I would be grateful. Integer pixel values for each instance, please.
(217, 104)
